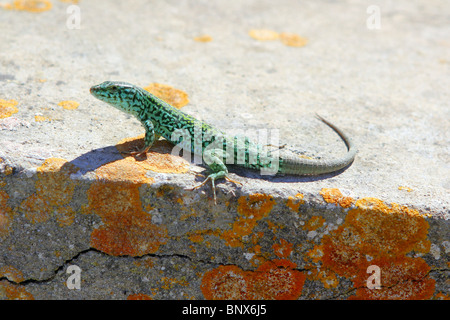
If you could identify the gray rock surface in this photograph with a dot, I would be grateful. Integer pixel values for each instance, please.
(134, 230)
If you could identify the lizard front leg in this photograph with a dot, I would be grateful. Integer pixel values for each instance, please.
(150, 138)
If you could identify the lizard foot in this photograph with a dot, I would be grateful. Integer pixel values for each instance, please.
(138, 153)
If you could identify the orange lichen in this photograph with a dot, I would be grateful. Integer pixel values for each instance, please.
(54, 182)
(175, 97)
(203, 38)
(328, 278)
(5, 214)
(274, 280)
(282, 249)
(14, 292)
(169, 283)
(315, 254)
(127, 229)
(292, 39)
(70, 1)
(314, 223)
(11, 273)
(263, 34)
(6, 170)
(30, 5)
(69, 104)
(158, 159)
(251, 209)
(405, 188)
(376, 230)
(294, 202)
(401, 278)
(41, 118)
(54, 190)
(8, 108)
(139, 296)
(334, 195)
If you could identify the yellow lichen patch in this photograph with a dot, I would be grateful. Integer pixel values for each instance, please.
(30, 5)
(126, 170)
(13, 292)
(5, 214)
(7, 170)
(405, 188)
(127, 229)
(315, 254)
(203, 38)
(65, 216)
(139, 296)
(251, 209)
(292, 39)
(273, 280)
(11, 273)
(376, 230)
(263, 34)
(158, 159)
(282, 249)
(36, 209)
(54, 183)
(41, 118)
(294, 202)
(8, 108)
(402, 278)
(70, 1)
(314, 223)
(175, 97)
(328, 278)
(169, 283)
(334, 195)
(69, 104)
(54, 190)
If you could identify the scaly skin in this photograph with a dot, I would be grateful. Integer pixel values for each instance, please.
(161, 119)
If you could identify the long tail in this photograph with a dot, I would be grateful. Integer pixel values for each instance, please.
(300, 166)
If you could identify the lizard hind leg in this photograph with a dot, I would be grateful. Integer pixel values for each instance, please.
(214, 159)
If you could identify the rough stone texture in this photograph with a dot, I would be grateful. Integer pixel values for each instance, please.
(68, 197)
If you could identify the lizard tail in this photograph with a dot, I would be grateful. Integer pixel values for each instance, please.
(300, 166)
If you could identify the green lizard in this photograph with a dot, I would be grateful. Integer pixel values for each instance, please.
(161, 119)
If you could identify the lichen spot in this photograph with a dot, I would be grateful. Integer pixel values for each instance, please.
(69, 104)
(12, 291)
(251, 209)
(263, 34)
(8, 108)
(158, 159)
(29, 5)
(294, 203)
(175, 97)
(377, 230)
(273, 280)
(334, 195)
(203, 38)
(127, 229)
(292, 39)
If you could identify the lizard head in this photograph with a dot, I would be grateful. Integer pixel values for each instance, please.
(121, 95)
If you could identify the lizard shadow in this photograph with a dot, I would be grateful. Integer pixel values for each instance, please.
(94, 159)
